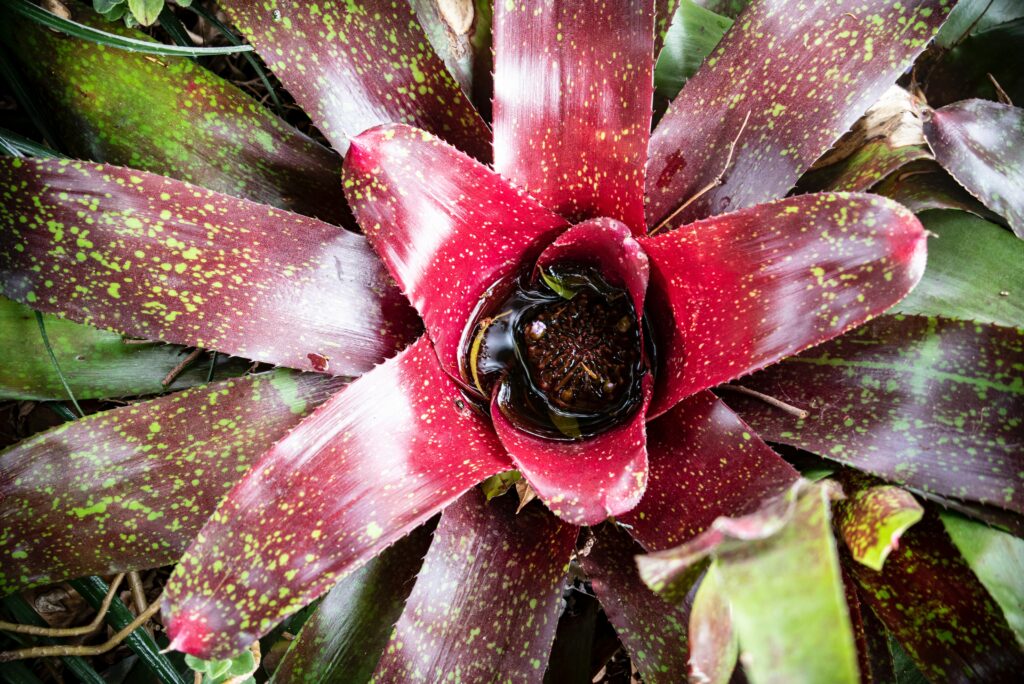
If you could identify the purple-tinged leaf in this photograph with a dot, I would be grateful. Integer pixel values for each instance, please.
(997, 560)
(981, 144)
(173, 117)
(587, 480)
(447, 226)
(572, 658)
(344, 639)
(873, 658)
(160, 259)
(864, 168)
(714, 647)
(938, 610)
(573, 82)
(95, 363)
(931, 403)
(738, 292)
(353, 66)
(780, 88)
(129, 488)
(488, 598)
(379, 459)
(873, 517)
(923, 184)
(653, 632)
(704, 463)
(448, 25)
(780, 570)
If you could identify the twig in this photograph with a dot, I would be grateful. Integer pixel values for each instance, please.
(710, 186)
(1000, 93)
(771, 401)
(110, 644)
(69, 631)
(185, 363)
(138, 593)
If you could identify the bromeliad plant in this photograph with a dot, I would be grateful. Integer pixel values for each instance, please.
(578, 285)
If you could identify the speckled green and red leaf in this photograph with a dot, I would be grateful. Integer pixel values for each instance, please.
(734, 293)
(652, 631)
(575, 136)
(95, 363)
(447, 226)
(488, 598)
(873, 657)
(981, 144)
(704, 463)
(344, 639)
(359, 64)
(923, 184)
(129, 488)
(161, 259)
(380, 458)
(931, 403)
(939, 611)
(173, 117)
(873, 517)
(876, 160)
(714, 647)
(801, 76)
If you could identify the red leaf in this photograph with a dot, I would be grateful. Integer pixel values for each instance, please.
(744, 290)
(931, 403)
(488, 598)
(573, 87)
(161, 259)
(801, 76)
(446, 226)
(129, 489)
(704, 463)
(354, 66)
(368, 466)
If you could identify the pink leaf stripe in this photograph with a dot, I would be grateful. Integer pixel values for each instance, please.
(391, 450)
(931, 403)
(359, 64)
(488, 598)
(734, 293)
(129, 489)
(157, 258)
(653, 631)
(446, 226)
(704, 463)
(802, 76)
(573, 87)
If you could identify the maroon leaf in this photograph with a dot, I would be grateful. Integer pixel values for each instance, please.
(653, 632)
(173, 117)
(363, 470)
(777, 92)
(488, 598)
(354, 66)
(161, 259)
(939, 611)
(343, 640)
(573, 87)
(873, 658)
(981, 144)
(923, 184)
(129, 488)
(931, 403)
(704, 463)
(582, 481)
(743, 290)
(446, 226)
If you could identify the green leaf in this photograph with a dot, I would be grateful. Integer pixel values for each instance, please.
(563, 287)
(973, 16)
(692, 36)
(497, 485)
(714, 647)
(997, 559)
(872, 519)
(974, 271)
(73, 28)
(104, 6)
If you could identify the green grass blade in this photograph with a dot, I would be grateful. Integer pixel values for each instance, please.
(175, 29)
(18, 145)
(73, 28)
(22, 612)
(56, 366)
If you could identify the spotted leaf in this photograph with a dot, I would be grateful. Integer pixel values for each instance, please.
(931, 403)
(128, 489)
(980, 143)
(356, 65)
(488, 598)
(713, 642)
(161, 259)
(785, 82)
(575, 136)
(873, 518)
(737, 292)
(365, 468)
